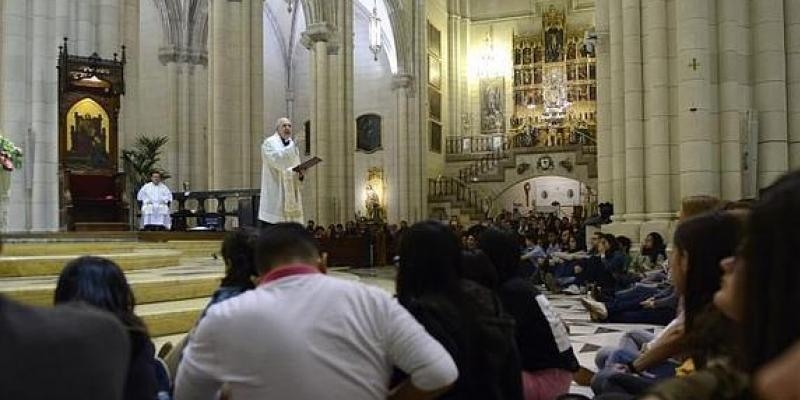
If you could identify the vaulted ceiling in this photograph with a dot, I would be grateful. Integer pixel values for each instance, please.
(497, 9)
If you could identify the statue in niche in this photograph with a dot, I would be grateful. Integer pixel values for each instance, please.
(368, 136)
(554, 40)
(373, 204)
(526, 55)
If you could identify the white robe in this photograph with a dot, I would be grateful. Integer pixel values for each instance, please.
(155, 204)
(281, 200)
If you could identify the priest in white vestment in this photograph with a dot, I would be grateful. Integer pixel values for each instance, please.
(155, 197)
(281, 200)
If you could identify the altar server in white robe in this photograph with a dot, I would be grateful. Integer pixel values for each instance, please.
(281, 200)
(155, 197)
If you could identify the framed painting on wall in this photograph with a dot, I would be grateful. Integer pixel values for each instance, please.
(434, 40)
(434, 71)
(435, 104)
(435, 137)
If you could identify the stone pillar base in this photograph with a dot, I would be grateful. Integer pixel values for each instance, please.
(662, 226)
(637, 228)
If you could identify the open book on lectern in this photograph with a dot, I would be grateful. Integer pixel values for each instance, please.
(307, 164)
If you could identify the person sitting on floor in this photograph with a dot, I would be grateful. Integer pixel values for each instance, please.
(319, 337)
(759, 291)
(69, 352)
(545, 349)
(700, 243)
(464, 316)
(100, 282)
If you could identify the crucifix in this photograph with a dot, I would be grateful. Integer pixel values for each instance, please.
(694, 64)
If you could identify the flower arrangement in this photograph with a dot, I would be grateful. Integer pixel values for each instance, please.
(10, 154)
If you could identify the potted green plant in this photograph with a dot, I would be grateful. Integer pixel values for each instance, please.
(143, 158)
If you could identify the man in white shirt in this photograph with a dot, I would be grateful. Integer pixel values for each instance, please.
(155, 197)
(281, 200)
(304, 335)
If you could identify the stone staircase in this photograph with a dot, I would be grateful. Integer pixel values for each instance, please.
(458, 193)
(172, 281)
(491, 167)
(456, 197)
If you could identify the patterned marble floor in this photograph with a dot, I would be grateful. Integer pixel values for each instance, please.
(588, 337)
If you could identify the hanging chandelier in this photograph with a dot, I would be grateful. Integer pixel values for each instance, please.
(488, 63)
(375, 41)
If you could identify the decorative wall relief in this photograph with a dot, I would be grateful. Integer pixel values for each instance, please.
(368, 136)
(522, 168)
(566, 164)
(527, 188)
(374, 194)
(492, 105)
(545, 163)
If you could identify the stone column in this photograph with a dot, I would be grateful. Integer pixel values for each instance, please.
(617, 108)
(129, 116)
(769, 60)
(792, 23)
(734, 93)
(223, 68)
(634, 140)
(604, 143)
(109, 27)
(342, 125)
(656, 107)
(85, 21)
(694, 77)
(317, 36)
(403, 149)
(235, 66)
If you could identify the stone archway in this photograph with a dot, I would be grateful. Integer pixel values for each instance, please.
(541, 193)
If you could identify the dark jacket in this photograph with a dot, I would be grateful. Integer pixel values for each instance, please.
(141, 383)
(479, 337)
(66, 352)
(543, 342)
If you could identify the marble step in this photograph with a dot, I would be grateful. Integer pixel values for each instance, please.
(195, 248)
(39, 291)
(38, 265)
(188, 248)
(171, 317)
(75, 248)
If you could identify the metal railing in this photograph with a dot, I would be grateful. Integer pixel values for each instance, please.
(449, 188)
(483, 144)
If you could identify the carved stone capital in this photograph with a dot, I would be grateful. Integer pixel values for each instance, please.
(402, 81)
(173, 54)
(318, 32)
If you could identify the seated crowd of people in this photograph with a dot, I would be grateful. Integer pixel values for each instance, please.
(468, 321)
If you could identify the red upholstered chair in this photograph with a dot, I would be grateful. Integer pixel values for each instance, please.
(94, 197)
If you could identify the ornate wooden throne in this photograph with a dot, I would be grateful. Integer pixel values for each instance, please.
(91, 187)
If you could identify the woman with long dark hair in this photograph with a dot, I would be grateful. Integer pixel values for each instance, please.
(545, 350)
(462, 315)
(101, 283)
(759, 291)
(654, 248)
(700, 244)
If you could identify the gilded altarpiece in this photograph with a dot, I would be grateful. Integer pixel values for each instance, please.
(555, 85)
